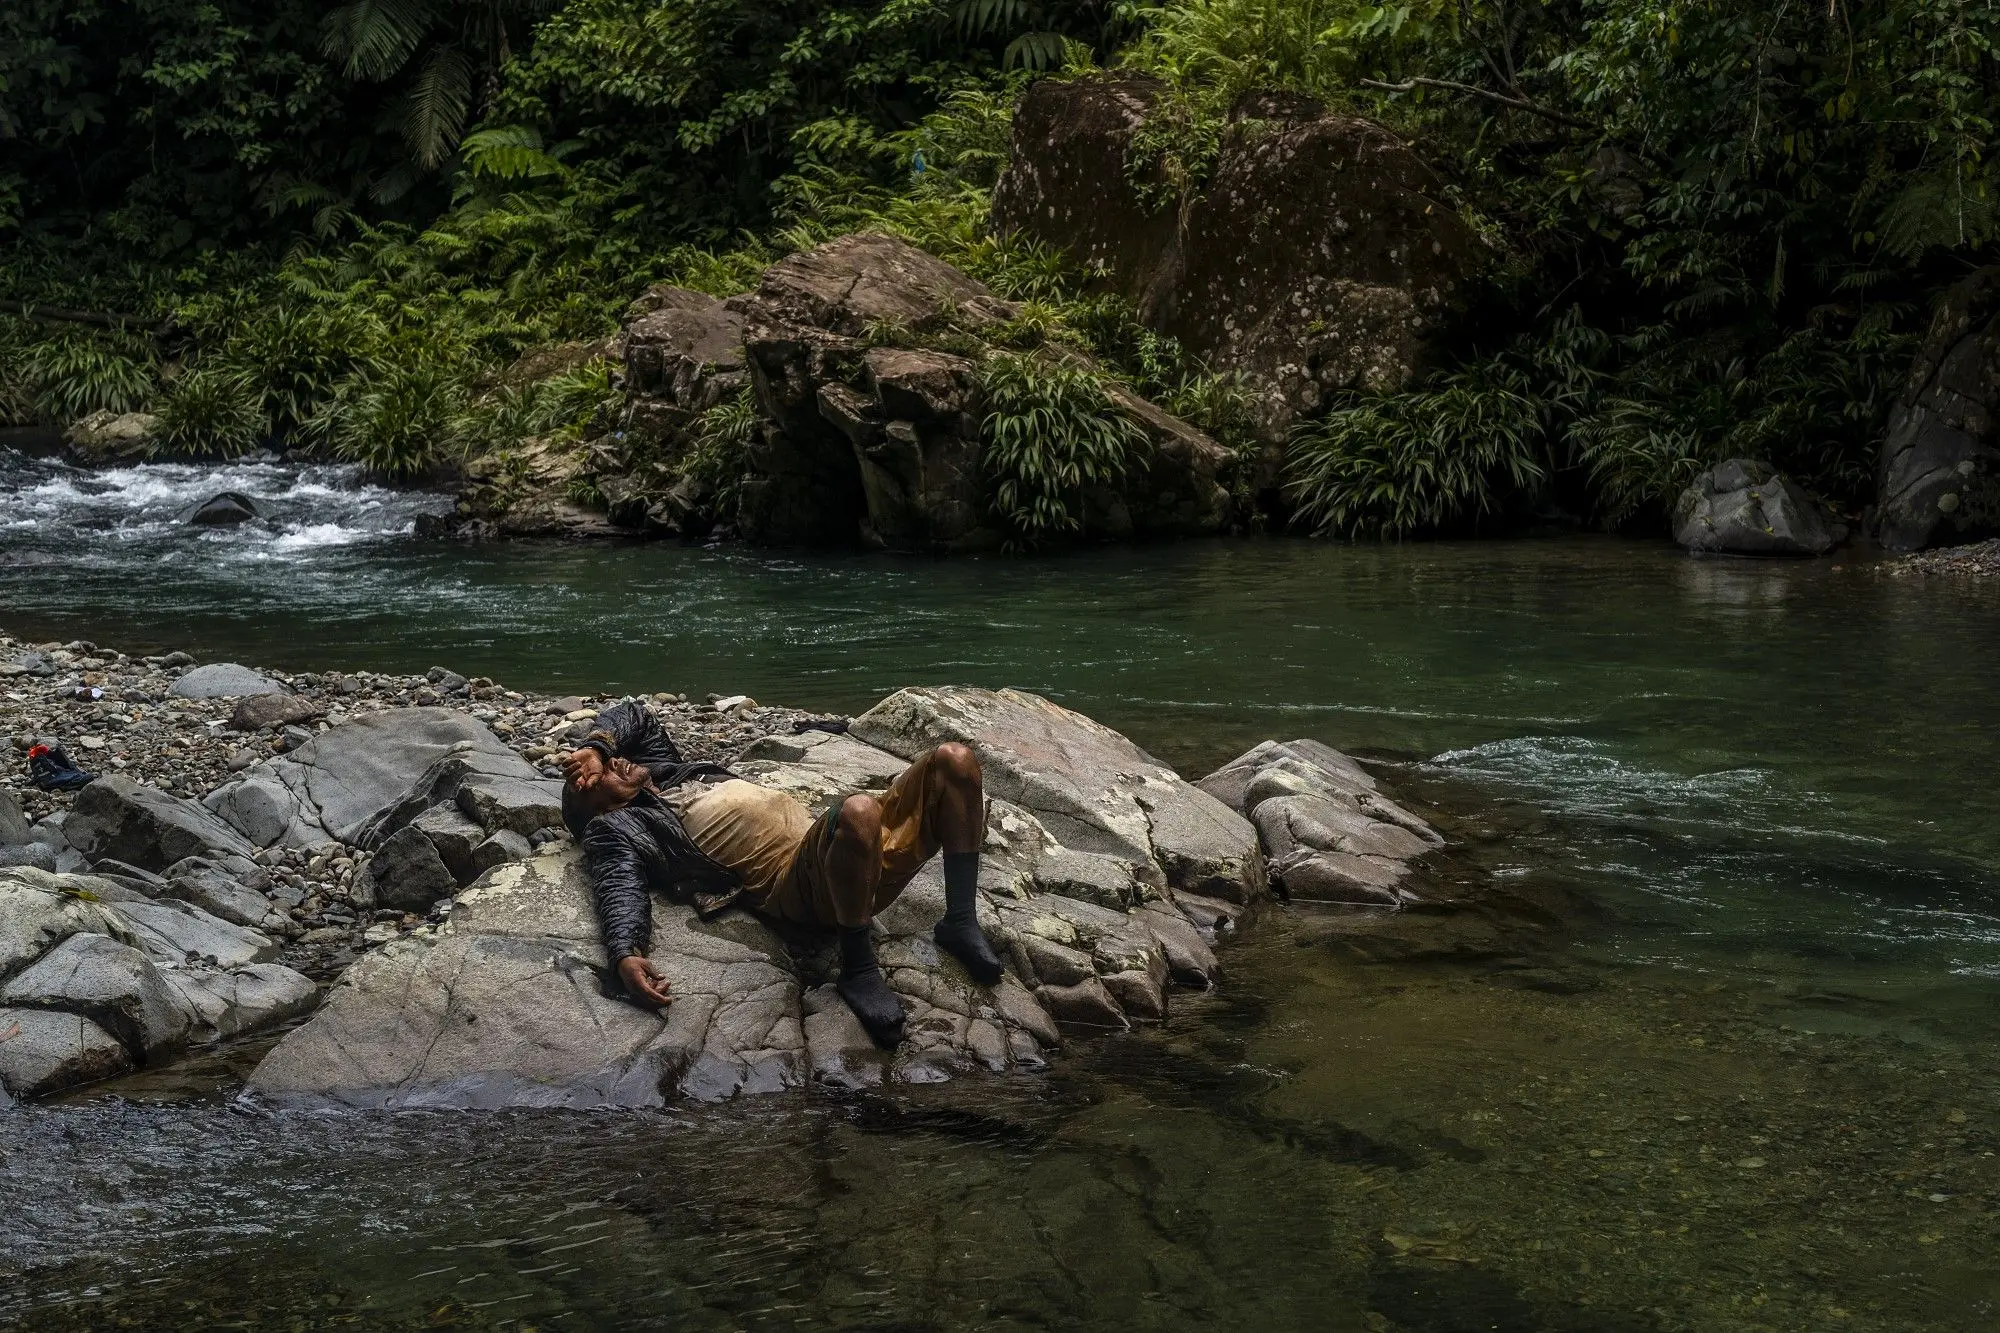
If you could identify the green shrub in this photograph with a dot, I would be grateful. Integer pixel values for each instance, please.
(211, 411)
(399, 420)
(716, 463)
(297, 355)
(1051, 430)
(1436, 459)
(77, 373)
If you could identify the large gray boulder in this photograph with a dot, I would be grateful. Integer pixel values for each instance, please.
(223, 680)
(112, 984)
(1330, 834)
(340, 784)
(1091, 789)
(95, 979)
(121, 819)
(1938, 478)
(215, 889)
(407, 874)
(506, 1005)
(1744, 508)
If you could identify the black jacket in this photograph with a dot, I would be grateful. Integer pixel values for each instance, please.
(643, 846)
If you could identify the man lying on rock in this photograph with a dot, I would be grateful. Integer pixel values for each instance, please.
(646, 820)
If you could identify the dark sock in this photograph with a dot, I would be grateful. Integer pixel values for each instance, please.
(862, 986)
(957, 931)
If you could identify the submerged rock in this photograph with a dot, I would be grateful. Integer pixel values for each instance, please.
(510, 1002)
(1744, 508)
(224, 510)
(1331, 836)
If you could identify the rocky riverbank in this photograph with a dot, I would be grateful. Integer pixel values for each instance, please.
(252, 835)
(1977, 558)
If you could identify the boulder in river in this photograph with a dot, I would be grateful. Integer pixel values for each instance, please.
(223, 510)
(1744, 508)
(508, 1004)
(1330, 834)
(223, 680)
(1938, 479)
(1323, 254)
(95, 979)
(106, 437)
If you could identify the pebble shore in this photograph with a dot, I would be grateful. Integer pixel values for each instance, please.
(113, 714)
(1977, 558)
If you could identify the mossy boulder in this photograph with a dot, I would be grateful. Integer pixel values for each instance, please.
(1320, 255)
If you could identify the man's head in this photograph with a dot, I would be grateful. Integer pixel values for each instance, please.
(594, 786)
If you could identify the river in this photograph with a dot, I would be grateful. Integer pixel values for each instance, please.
(1745, 1081)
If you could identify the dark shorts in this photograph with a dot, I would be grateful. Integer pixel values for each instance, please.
(804, 896)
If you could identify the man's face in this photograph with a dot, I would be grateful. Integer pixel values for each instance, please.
(613, 787)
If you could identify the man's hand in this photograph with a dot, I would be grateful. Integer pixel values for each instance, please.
(583, 767)
(643, 981)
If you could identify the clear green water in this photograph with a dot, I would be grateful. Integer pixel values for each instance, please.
(1714, 1049)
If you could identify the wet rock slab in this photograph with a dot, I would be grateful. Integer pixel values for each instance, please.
(96, 980)
(510, 1004)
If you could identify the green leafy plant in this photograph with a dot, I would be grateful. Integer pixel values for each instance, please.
(1051, 431)
(75, 374)
(211, 411)
(1441, 458)
(398, 421)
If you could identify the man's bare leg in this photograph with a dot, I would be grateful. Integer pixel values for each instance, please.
(958, 813)
(854, 874)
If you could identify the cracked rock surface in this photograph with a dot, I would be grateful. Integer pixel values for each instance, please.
(96, 979)
(507, 1005)
(1329, 834)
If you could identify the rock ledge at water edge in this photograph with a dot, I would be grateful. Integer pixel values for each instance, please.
(1105, 881)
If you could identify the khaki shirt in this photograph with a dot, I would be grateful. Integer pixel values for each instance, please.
(751, 829)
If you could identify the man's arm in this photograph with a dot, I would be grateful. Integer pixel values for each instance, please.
(630, 731)
(624, 909)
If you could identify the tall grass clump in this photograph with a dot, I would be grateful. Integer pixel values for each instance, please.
(211, 411)
(1429, 461)
(1052, 430)
(76, 373)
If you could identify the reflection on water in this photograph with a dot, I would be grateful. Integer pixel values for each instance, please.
(1320, 1147)
(1725, 1064)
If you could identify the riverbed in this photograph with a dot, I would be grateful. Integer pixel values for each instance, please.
(1746, 1083)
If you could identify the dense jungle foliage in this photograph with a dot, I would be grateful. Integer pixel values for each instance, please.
(336, 226)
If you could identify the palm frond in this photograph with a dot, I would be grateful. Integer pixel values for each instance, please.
(375, 38)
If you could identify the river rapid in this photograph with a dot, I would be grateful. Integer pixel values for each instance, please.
(1734, 1069)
